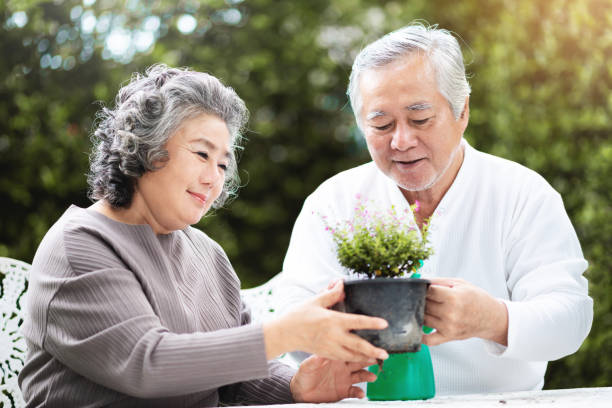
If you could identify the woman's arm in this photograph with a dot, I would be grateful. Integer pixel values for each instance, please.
(102, 326)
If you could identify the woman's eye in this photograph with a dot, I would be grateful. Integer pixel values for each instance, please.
(223, 167)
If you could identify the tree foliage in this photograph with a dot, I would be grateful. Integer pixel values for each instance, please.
(541, 96)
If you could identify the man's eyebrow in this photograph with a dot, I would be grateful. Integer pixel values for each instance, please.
(419, 106)
(375, 114)
(205, 142)
(414, 107)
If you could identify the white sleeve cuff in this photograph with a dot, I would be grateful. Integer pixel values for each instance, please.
(494, 348)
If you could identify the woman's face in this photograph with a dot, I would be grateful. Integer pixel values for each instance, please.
(182, 191)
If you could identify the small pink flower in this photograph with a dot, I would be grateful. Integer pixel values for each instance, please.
(417, 206)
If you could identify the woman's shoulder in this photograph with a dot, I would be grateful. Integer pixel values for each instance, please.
(88, 241)
(203, 242)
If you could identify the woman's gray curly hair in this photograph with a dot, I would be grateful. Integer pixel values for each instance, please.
(131, 138)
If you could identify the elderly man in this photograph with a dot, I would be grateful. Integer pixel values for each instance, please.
(508, 292)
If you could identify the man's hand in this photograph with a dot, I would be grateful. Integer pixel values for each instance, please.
(459, 310)
(322, 380)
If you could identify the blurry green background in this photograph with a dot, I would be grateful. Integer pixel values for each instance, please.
(541, 73)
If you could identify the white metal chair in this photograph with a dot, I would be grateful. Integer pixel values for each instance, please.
(261, 300)
(14, 278)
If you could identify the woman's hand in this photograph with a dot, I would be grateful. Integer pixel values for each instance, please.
(322, 380)
(313, 328)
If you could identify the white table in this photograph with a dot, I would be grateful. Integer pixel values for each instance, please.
(574, 398)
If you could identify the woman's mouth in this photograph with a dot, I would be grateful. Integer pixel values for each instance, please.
(200, 197)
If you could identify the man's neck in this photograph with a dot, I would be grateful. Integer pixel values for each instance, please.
(430, 198)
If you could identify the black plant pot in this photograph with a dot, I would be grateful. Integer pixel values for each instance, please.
(400, 301)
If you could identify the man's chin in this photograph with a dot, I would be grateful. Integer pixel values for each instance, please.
(421, 184)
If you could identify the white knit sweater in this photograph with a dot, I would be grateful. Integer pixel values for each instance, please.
(501, 227)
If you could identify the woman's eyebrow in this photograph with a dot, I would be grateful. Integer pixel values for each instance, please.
(210, 145)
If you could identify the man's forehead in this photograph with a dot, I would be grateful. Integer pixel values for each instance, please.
(419, 106)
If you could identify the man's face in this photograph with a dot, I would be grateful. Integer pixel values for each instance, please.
(409, 127)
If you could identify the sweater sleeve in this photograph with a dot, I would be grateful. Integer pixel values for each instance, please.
(549, 311)
(274, 389)
(101, 325)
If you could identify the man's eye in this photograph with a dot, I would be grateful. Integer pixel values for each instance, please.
(383, 127)
(420, 122)
(203, 155)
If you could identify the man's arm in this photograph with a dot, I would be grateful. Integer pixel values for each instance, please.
(549, 313)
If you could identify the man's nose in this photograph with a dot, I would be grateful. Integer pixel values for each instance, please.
(403, 138)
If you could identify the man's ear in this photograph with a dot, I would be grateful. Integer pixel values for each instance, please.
(466, 108)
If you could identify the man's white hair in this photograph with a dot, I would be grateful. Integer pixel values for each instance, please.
(440, 47)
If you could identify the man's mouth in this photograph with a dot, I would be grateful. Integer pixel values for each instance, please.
(409, 162)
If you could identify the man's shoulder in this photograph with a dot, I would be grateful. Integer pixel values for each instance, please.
(502, 173)
(339, 194)
(351, 181)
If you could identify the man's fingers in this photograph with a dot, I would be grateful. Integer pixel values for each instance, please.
(439, 293)
(432, 321)
(435, 338)
(449, 282)
(435, 309)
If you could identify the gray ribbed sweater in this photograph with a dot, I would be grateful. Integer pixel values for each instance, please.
(120, 316)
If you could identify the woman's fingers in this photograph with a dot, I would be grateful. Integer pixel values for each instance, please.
(362, 322)
(352, 367)
(333, 295)
(361, 347)
(356, 392)
(362, 376)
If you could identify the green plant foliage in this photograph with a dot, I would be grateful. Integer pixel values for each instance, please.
(541, 95)
(380, 244)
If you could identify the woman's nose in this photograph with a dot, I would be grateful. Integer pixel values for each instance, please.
(211, 173)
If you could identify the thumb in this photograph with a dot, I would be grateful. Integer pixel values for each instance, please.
(331, 296)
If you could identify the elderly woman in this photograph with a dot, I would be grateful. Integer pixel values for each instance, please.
(130, 306)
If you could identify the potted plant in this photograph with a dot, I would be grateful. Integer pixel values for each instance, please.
(387, 248)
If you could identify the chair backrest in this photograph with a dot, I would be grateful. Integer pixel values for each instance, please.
(14, 283)
(261, 300)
